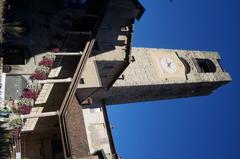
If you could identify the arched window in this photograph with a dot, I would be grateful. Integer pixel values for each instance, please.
(205, 66)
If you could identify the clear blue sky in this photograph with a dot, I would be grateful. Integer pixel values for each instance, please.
(192, 128)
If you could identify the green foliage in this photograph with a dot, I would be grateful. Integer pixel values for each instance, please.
(50, 56)
(26, 101)
(5, 109)
(43, 69)
(15, 29)
(35, 86)
(7, 135)
(15, 122)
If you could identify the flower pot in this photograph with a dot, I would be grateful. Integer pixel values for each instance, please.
(4, 114)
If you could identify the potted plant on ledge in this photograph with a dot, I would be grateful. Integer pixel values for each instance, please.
(5, 111)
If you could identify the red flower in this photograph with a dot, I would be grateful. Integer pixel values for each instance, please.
(16, 133)
(46, 62)
(25, 109)
(30, 94)
(55, 50)
(39, 75)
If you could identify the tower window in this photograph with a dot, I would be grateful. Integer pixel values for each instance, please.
(82, 81)
(186, 64)
(132, 59)
(205, 66)
(124, 28)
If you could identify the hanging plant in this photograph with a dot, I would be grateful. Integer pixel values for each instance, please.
(39, 76)
(5, 111)
(46, 62)
(30, 94)
(35, 86)
(25, 101)
(15, 121)
(43, 69)
(16, 124)
(25, 109)
(41, 73)
(55, 50)
(16, 133)
(50, 56)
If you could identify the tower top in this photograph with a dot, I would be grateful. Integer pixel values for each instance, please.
(159, 74)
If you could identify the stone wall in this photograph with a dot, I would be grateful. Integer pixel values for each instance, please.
(96, 130)
(111, 49)
(145, 80)
(144, 72)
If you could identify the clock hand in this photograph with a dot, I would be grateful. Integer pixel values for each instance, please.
(169, 64)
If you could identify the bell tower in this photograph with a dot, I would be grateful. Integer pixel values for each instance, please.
(151, 74)
(156, 74)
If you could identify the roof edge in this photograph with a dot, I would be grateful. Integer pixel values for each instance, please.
(140, 7)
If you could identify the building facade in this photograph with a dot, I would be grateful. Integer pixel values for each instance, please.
(95, 66)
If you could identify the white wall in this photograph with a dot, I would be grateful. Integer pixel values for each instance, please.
(96, 129)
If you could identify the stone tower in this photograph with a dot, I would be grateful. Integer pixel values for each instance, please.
(156, 74)
(96, 66)
(153, 74)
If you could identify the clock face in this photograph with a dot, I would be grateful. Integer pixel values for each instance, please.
(168, 65)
